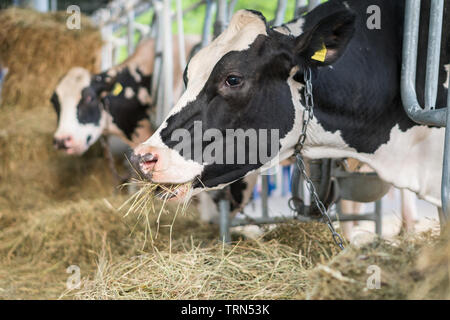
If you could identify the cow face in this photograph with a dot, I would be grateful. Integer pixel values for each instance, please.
(242, 97)
(81, 118)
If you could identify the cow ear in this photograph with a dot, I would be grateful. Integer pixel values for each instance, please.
(325, 42)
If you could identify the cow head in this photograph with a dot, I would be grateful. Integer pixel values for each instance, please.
(242, 97)
(81, 118)
(87, 106)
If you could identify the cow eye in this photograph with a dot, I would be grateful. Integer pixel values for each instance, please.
(233, 81)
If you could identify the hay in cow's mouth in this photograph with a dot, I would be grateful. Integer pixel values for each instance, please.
(142, 203)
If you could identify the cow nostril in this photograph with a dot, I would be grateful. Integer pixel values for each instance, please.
(59, 144)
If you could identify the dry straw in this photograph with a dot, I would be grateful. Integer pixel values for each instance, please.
(143, 204)
(38, 49)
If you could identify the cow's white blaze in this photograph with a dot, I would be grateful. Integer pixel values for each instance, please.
(69, 94)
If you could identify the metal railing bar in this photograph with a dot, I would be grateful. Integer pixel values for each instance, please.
(408, 79)
(434, 50)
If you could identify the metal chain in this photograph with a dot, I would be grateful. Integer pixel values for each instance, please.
(308, 114)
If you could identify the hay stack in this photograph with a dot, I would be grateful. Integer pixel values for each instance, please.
(36, 246)
(434, 267)
(38, 49)
(347, 275)
(312, 240)
(274, 267)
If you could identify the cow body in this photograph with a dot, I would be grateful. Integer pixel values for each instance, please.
(251, 76)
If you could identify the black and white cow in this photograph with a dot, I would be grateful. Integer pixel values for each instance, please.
(252, 77)
(117, 101)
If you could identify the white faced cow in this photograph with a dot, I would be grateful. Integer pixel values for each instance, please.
(252, 77)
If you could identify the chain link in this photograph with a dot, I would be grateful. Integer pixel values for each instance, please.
(308, 114)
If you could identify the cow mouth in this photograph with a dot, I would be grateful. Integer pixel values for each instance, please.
(147, 165)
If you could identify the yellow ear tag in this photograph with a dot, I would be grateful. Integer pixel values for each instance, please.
(117, 89)
(321, 54)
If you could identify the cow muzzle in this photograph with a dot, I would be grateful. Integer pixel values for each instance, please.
(62, 143)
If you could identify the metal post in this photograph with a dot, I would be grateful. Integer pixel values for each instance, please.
(281, 12)
(130, 33)
(434, 50)
(221, 17)
(210, 8)
(157, 88)
(107, 49)
(231, 6)
(53, 5)
(435, 117)
(378, 217)
(224, 210)
(181, 44)
(265, 196)
(445, 187)
(312, 4)
(167, 58)
(40, 5)
(428, 115)
(300, 7)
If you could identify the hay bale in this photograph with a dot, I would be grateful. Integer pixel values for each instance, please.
(248, 270)
(433, 264)
(274, 267)
(38, 49)
(37, 246)
(312, 240)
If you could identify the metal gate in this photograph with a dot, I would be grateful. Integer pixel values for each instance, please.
(429, 114)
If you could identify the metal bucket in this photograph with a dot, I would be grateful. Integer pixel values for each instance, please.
(361, 187)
